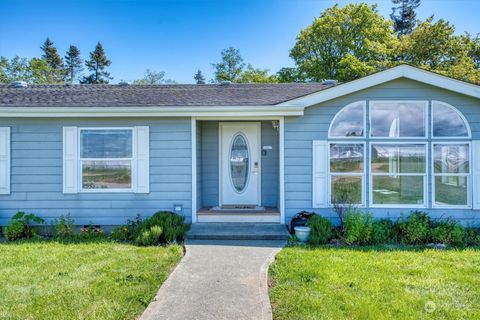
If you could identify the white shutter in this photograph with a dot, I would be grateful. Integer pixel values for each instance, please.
(4, 160)
(142, 160)
(319, 192)
(476, 173)
(70, 160)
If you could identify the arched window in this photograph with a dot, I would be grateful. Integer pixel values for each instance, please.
(391, 154)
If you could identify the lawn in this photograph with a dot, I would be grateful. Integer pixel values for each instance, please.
(330, 283)
(49, 280)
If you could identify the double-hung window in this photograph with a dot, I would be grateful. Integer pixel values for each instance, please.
(106, 159)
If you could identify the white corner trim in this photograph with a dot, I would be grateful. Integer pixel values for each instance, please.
(281, 142)
(402, 71)
(194, 168)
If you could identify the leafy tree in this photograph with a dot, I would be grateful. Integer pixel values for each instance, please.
(288, 75)
(231, 66)
(40, 72)
(16, 69)
(404, 16)
(73, 64)
(97, 66)
(53, 59)
(255, 75)
(344, 43)
(3, 70)
(153, 77)
(199, 78)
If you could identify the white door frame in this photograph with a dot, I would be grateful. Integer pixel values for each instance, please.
(221, 125)
(281, 154)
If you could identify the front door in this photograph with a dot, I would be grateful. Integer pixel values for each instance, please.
(240, 164)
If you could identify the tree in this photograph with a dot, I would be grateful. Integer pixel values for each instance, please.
(199, 78)
(231, 66)
(97, 66)
(345, 43)
(16, 69)
(53, 59)
(404, 20)
(40, 72)
(255, 75)
(153, 77)
(73, 64)
(287, 74)
(3, 70)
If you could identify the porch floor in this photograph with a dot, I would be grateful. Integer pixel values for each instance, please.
(269, 215)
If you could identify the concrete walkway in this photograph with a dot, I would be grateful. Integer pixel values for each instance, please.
(218, 279)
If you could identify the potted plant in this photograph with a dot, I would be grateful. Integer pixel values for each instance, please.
(302, 233)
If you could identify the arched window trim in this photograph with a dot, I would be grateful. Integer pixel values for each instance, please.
(364, 106)
(458, 112)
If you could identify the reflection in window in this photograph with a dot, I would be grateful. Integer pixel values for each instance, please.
(451, 171)
(398, 173)
(447, 122)
(239, 164)
(346, 173)
(106, 158)
(349, 122)
(392, 119)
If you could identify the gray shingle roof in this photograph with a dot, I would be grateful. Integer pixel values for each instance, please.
(154, 95)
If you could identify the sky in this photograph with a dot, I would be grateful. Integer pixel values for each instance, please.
(181, 36)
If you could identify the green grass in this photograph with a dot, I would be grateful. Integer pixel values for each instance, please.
(49, 280)
(329, 283)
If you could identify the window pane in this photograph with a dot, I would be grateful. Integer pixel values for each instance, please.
(106, 143)
(346, 189)
(451, 158)
(451, 190)
(397, 189)
(447, 122)
(346, 158)
(397, 119)
(349, 122)
(392, 159)
(111, 174)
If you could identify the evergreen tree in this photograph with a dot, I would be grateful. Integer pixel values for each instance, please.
(231, 66)
(73, 64)
(404, 16)
(199, 78)
(97, 66)
(53, 59)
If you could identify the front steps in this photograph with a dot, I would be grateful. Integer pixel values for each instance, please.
(238, 231)
(269, 215)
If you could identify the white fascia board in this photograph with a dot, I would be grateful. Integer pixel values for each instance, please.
(133, 111)
(402, 71)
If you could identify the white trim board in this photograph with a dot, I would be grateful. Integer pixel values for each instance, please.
(402, 71)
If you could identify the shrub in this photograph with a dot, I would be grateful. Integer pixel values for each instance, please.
(414, 229)
(20, 226)
(173, 226)
(358, 227)
(447, 232)
(64, 227)
(127, 231)
(320, 229)
(471, 237)
(383, 231)
(91, 233)
(149, 237)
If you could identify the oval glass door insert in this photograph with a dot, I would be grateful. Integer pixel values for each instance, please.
(239, 162)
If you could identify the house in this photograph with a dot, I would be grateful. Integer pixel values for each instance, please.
(390, 142)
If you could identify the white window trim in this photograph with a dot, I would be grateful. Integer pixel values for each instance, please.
(80, 159)
(424, 175)
(468, 175)
(370, 102)
(458, 113)
(358, 174)
(364, 105)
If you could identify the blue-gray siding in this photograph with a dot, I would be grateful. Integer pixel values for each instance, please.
(301, 131)
(210, 169)
(36, 172)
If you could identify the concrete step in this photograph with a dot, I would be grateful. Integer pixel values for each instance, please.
(238, 231)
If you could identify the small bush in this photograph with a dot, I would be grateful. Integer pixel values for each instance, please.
(320, 230)
(471, 237)
(414, 229)
(383, 231)
(91, 233)
(358, 227)
(447, 232)
(64, 227)
(149, 237)
(173, 226)
(21, 226)
(127, 231)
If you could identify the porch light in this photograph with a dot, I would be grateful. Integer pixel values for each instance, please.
(276, 125)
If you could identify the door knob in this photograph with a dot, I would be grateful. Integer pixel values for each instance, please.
(255, 167)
